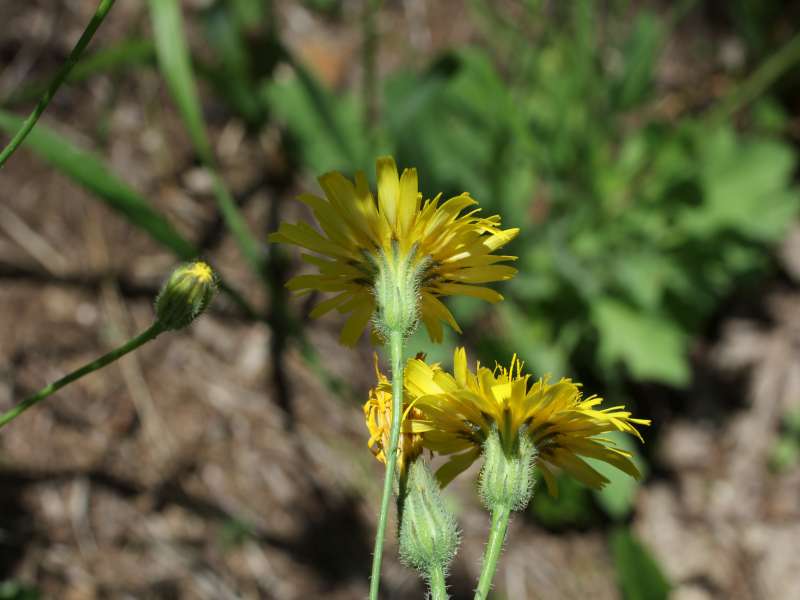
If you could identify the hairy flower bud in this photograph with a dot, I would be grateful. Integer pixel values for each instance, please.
(185, 295)
(429, 534)
(507, 476)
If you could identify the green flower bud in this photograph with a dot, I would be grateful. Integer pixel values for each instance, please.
(397, 291)
(507, 477)
(185, 295)
(429, 534)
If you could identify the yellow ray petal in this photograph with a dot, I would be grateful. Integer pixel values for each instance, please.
(388, 190)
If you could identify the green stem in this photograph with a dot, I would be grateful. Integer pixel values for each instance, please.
(99, 363)
(497, 536)
(396, 339)
(437, 584)
(74, 56)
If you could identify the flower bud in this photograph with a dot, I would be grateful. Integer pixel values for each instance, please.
(397, 291)
(429, 534)
(185, 295)
(507, 477)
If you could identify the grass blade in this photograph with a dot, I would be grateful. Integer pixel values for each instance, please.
(74, 55)
(173, 58)
(91, 173)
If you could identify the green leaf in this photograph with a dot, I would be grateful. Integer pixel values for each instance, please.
(618, 495)
(791, 421)
(651, 347)
(328, 128)
(14, 590)
(90, 172)
(639, 575)
(639, 53)
(785, 454)
(572, 508)
(746, 184)
(232, 78)
(173, 59)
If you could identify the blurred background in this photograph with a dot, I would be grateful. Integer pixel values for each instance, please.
(646, 150)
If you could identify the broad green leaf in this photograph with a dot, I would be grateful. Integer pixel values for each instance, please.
(91, 172)
(644, 276)
(572, 508)
(618, 495)
(747, 186)
(638, 573)
(533, 340)
(651, 347)
(15, 590)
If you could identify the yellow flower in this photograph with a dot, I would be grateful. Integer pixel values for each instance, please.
(452, 248)
(378, 417)
(459, 410)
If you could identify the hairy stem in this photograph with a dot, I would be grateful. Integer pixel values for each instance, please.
(497, 537)
(396, 340)
(99, 363)
(74, 56)
(437, 584)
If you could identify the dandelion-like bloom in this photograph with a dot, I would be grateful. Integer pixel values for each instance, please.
(447, 243)
(460, 410)
(378, 417)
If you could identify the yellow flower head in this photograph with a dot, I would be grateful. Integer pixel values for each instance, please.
(452, 247)
(459, 410)
(378, 416)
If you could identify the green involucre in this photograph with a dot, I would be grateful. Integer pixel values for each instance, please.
(507, 477)
(397, 285)
(186, 294)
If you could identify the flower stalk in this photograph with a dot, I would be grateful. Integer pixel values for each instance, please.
(506, 484)
(183, 297)
(497, 537)
(149, 334)
(50, 92)
(396, 342)
(437, 585)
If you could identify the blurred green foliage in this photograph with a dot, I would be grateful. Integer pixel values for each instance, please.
(638, 573)
(786, 451)
(572, 508)
(634, 227)
(14, 590)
